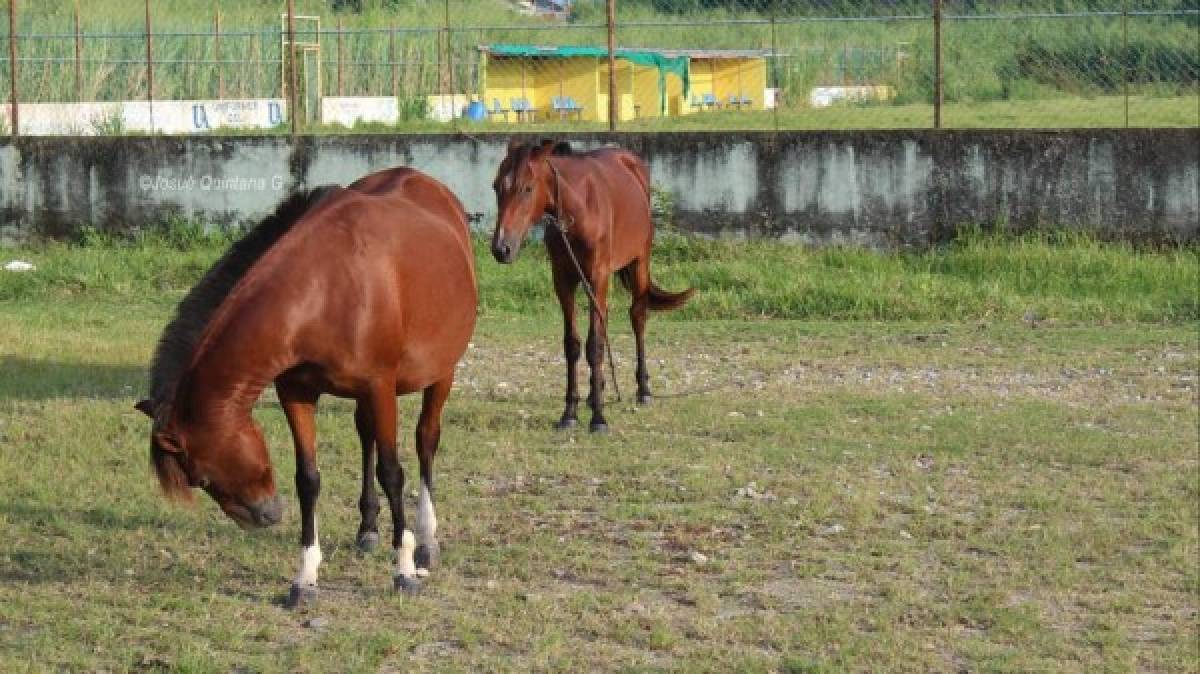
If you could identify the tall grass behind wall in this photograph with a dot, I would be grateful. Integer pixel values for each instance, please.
(399, 48)
(1058, 276)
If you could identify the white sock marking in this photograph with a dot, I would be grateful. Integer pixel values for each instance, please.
(310, 559)
(405, 566)
(426, 518)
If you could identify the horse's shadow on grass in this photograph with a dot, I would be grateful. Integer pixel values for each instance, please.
(29, 379)
(36, 556)
(108, 545)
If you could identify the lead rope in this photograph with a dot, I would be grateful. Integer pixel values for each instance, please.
(562, 224)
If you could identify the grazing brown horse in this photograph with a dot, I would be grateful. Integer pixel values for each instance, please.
(601, 203)
(363, 292)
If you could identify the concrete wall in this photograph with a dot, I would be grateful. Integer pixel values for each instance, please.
(880, 189)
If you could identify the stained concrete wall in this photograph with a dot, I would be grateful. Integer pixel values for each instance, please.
(880, 189)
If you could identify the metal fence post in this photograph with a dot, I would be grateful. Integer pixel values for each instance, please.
(217, 55)
(450, 68)
(392, 59)
(775, 72)
(290, 58)
(1125, 74)
(613, 107)
(938, 94)
(441, 77)
(14, 108)
(340, 90)
(150, 66)
(78, 55)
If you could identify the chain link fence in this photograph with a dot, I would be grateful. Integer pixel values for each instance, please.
(678, 65)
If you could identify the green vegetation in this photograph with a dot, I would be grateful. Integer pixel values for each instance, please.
(966, 491)
(1064, 277)
(1058, 67)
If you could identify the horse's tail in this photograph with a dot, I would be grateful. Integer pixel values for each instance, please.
(662, 300)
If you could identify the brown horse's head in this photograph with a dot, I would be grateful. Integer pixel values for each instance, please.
(232, 465)
(524, 193)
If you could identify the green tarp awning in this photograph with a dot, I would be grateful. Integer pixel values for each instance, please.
(666, 65)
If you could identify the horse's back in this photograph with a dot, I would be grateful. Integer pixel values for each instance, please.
(389, 278)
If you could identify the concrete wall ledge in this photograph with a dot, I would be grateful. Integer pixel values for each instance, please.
(881, 189)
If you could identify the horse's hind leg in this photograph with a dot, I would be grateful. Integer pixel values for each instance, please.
(391, 476)
(597, 336)
(300, 407)
(637, 279)
(368, 502)
(429, 432)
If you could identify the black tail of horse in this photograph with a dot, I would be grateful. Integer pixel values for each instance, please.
(662, 300)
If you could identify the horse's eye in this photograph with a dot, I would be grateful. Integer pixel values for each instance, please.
(528, 189)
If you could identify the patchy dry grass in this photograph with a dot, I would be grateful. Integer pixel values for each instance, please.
(862, 496)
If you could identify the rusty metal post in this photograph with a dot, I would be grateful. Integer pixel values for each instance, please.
(613, 104)
(78, 55)
(441, 80)
(340, 90)
(450, 67)
(290, 58)
(391, 59)
(775, 72)
(938, 81)
(150, 66)
(1125, 74)
(220, 70)
(14, 108)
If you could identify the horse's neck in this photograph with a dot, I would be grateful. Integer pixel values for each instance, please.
(569, 199)
(230, 374)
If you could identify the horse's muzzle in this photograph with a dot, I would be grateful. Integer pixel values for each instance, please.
(267, 512)
(503, 251)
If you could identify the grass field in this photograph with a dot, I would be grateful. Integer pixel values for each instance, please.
(1000, 477)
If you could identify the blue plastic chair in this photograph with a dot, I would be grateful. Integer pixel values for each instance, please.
(497, 110)
(522, 108)
(574, 107)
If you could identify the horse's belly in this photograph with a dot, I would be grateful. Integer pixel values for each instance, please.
(432, 357)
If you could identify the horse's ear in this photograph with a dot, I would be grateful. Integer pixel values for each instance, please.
(562, 149)
(514, 144)
(145, 407)
(544, 148)
(168, 442)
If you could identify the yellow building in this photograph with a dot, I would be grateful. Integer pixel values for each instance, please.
(523, 82)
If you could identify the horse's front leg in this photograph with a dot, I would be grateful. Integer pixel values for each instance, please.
(565, 283)
(300, 408)
(597, 336)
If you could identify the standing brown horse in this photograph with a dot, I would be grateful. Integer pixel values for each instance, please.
(365, 293)
(601, 204)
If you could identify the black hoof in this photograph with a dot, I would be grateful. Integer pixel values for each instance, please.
(409, 585)
(301, 597)
(644, 399)
(427, 556)
(599, 427)
(566, 424)
(368, 541)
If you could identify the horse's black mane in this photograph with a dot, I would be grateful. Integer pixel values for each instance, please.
(182, 334)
